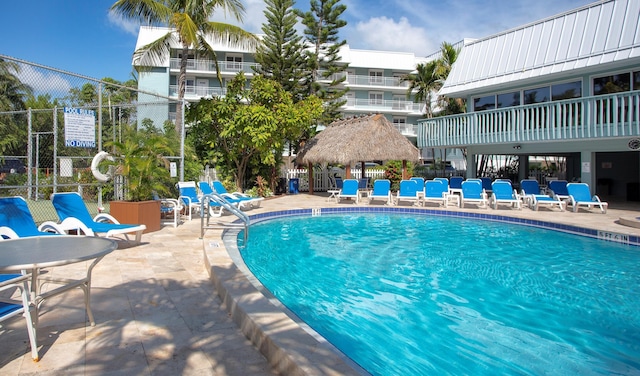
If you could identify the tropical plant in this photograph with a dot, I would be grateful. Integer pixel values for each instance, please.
(423, 84)
(249, 125)
(13, 94)
(190, 26)
(393, 172)
(140, 161)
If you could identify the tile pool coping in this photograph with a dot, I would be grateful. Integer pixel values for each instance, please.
(288, 344)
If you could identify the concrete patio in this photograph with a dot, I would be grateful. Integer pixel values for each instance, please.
(159, 312)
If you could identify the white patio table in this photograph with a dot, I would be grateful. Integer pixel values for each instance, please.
(29, 255)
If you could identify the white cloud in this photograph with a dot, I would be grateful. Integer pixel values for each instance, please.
(43, 81)
(253, 17)
(385, 34)
(130, 27)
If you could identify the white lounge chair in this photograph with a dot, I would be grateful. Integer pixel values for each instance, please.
(472, 192)
(409, 191)
(580, 195)
(349, 191)
(503, 193)
(381, 191)
(74, 215)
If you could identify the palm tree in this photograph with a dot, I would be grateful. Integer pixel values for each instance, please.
(13, 94)
(190, 25)
(425, 83)
(448, 56)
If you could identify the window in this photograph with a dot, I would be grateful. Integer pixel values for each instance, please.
(375, 98)
(538, 95)
(234, 62)
(375, 77)
(636, 80)
(612, 84)
(484, 103)
(400, 123)
(508, 99)
(567, 90)
(190, 85)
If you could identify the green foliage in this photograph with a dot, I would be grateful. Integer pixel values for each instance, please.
(248, 125)
(393, 172)
(261, 189)
(139, 159)
(280, 54)
(322, 25)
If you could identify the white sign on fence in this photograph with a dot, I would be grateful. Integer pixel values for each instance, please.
(79, 127)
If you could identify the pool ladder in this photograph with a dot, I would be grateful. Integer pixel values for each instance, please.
(205, 218)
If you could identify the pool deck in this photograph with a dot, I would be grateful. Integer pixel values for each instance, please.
(177, 304)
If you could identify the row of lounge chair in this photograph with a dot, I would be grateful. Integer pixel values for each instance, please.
(192, 198)
(473, 191)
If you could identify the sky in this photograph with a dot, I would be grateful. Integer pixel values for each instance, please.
(83, 37)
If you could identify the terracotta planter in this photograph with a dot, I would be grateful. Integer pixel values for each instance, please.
(138, 212)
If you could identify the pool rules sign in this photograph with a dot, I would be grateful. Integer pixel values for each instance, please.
(79, 127)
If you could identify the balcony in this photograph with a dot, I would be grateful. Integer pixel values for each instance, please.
(197, 92)
(205, 65)
(599, 117)
(369, 82)
(398, 107)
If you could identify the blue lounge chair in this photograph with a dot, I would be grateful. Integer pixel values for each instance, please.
(16, 220)
(533, 198)
(169, 210)
(10, 308)
(192, 201)
(455, 184)
(503, 193)
(580, 195)
(486, 184)
(445, 181)
(349, 190)
(381, 191)
(559, 189)
(363, 184)
(242, 197)
(206, 189)
(409, 191)
(472, 192)
(436, 191)
(74, 215)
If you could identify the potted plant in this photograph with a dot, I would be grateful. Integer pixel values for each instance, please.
(140, 163)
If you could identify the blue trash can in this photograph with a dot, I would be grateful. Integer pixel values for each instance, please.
(293, 186)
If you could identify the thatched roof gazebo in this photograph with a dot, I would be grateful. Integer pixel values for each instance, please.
(358, 139)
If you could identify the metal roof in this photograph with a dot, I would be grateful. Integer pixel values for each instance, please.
(604, 32)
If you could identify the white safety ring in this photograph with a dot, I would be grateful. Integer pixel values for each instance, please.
(101, 156)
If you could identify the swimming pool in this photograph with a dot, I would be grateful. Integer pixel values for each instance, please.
(472, 297)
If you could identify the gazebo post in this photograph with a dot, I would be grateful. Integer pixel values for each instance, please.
(362, 169)
(404, 170)
(310, 178)
(347, 174)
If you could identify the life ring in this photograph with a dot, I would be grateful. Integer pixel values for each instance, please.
(101, 156)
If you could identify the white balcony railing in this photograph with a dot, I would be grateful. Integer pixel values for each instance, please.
(379, 105)
(197, 92)
(367, 81)
(206, 65)
(603, 116)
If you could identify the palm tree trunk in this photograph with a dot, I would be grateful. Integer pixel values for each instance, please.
(182, 81)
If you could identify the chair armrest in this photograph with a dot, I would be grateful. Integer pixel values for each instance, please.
(71, 223)
(104, 217)
(50, 226)
(7, 233)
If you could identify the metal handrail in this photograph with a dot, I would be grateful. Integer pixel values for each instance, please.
(226, 205)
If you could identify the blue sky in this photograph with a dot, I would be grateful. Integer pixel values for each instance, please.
(82, 37)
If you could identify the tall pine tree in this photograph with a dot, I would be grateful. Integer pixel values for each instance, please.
(322, 24)
(281, 56)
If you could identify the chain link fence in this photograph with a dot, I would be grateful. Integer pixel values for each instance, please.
(53, 123)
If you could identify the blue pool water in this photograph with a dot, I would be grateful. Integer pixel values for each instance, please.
(419, 295)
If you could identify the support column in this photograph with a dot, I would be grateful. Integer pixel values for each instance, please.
(588, 169)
